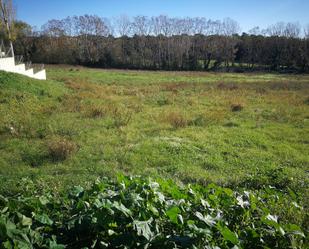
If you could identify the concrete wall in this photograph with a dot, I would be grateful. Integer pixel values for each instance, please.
(8, 64)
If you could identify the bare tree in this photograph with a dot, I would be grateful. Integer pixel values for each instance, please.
(163, 42)
(230, 27)
(54, 28)
(7, 17)
(255, 31)
(141, 29)
(123, 26)
(141, 25)
(306, 31)
(123, 29)
(292, 30)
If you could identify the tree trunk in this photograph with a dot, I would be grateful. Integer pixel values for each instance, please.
(7, 25)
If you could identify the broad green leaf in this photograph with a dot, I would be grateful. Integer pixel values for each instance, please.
(294, 229)
(77, 191)
(7, 228)
(44, 219)
(54, 245)
(205, 203)
(4, 210)
(210, 221)
(228, 234)
(272, 218)
(7, 245)
(122, 208)
(153, 209)
(25, 221)
(143, 228)
(43, 200)
(172, 213)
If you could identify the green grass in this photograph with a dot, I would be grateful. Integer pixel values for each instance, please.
(177, 125)
(242, 131)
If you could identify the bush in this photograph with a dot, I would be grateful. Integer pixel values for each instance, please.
(60, 148)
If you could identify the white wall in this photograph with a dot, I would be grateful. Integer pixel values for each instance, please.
(8, 64)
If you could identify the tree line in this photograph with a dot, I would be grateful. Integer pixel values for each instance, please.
(164, 43)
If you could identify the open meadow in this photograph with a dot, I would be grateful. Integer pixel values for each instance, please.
(231, 129)
(242, 131)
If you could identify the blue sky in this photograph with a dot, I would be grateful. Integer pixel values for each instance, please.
(248, 13)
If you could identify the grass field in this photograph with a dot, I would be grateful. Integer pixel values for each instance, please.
(231, 129)
(242, 131)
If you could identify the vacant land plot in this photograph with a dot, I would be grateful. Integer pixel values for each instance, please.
(231, 129)
(246, 131)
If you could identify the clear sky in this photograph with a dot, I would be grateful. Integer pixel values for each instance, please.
(248, 13)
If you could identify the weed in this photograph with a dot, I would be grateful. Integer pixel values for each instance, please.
(200, 120)
(191, 216)
(71, 103)
(163, 100)
(60, 148)
(227, 86)
(231, 124)
(121, 115)
(261, 90)
(176, 120)
(33, 155)
(237, 107)
(276, 177)
(94, 111)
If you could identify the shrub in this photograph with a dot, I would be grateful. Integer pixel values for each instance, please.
(60, 148)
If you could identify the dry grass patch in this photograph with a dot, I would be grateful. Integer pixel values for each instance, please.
(60, 148)
(227, 86)
(121, 115)
(209, 117)
(71, 103)
(94, 111)
(87, 89)
(176, 119)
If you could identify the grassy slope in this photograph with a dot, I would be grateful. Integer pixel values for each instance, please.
(177, 125)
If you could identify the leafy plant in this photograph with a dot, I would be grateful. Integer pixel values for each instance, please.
(139, 213)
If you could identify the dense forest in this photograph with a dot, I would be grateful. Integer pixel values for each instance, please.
(164, 43)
